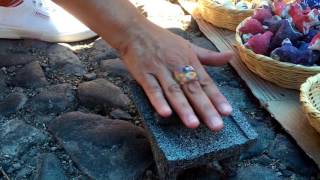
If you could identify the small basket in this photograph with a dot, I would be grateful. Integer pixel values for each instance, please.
(310, 99)
(283, 74)
(220, 16)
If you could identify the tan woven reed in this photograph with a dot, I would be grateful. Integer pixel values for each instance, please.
(220, 16)
(310, 99)
(283, 74)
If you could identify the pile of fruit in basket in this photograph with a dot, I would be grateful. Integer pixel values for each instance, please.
(288, 32)
(242, 4)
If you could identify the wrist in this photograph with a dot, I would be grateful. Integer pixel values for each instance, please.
(136, 36)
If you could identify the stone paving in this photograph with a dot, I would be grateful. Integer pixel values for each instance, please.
(66, 113)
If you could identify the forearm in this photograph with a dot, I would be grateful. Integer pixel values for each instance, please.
(117, 21)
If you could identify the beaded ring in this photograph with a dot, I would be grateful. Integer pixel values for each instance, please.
(185, 74)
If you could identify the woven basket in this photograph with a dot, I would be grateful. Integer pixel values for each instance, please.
(283, 74)
(220, 16)
(310, 99)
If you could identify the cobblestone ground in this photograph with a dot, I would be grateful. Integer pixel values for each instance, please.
(66, 114)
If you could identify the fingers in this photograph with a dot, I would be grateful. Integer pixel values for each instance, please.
(154, 92)
(212, 58)
(212, 91)
(203, 106)
(178, 100)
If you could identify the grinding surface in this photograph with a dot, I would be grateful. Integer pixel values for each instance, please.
(179, 144)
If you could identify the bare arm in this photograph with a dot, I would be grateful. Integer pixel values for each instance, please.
(151, 55)
(118, 21)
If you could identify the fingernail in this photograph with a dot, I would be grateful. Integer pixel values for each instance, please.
(193, 121)
(216, 123)
(166, 111)
(226, 108)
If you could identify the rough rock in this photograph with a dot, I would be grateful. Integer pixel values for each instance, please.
(203, 42)
(200, 173)
(198, 146)
(44, 118)
(30, 76)
(103, 93)
(102, 148)
(3, 85)
(265, 138)
(120, 114)
(11, 59)
(63, 59)
(221, 75)
(16, 137)
(256, 172)
(102, 50)
(28, 162)
(12, 103)
(54, 99)
(90, 76)
(115, 67)
(35, 44)
(186, 35)
(24, 173)
(49, 168)
(263, 160)
(291, 156)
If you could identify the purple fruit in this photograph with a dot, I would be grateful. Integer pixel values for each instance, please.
(285, 31)
(308, 37)
(273, 23)
(286, 53)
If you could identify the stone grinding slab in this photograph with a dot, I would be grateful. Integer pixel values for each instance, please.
(176, 147)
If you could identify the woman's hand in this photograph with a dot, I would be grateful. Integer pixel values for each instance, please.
(153, 54)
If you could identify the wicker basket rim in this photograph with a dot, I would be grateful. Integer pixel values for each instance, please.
(261, 57)
(220, 6)
(304, 94)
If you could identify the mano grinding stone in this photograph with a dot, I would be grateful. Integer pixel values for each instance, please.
(176, 148)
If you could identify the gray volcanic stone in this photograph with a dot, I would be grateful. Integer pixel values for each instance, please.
(256, 172)
(63, 59)
(4, 90)
(30, 76)
(102, 50)
(201, 173)
(28, 162)
(90, 76)
(103, 148)
(12, 103)
(177, 148)
(101, 93)
(186, 35)
(236, 97)
(263, 160)
(49, 168)
(120, 114)
(291, 156)
(11, 59)
(35, 44)
(16, 137)
(203, 42)
(115, 67)
(264, 140)
(54, 99)
(224, 76)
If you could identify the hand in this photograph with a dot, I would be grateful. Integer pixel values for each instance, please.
(154, 54)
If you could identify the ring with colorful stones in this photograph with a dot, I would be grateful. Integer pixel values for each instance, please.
(185, 74)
